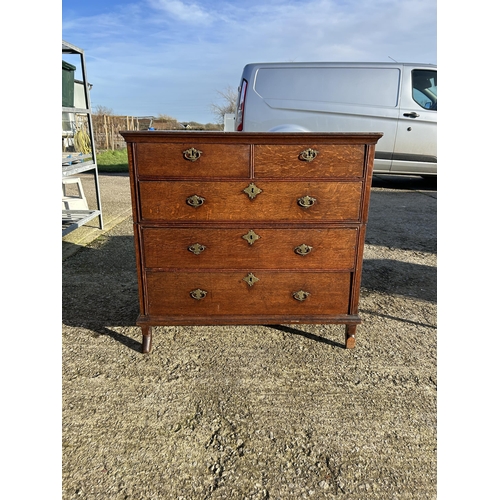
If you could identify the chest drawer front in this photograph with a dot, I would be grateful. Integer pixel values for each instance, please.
(227, 293)
(257, 248)
(227, 201)
(193, 160)
(311, 161)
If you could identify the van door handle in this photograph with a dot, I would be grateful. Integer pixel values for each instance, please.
(411, 115)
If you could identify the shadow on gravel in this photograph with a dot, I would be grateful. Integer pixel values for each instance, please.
(307, 335)
(405, 182)
(99, 288)
(132, 344)
(400, 278)
(395, 318)
(405, 220)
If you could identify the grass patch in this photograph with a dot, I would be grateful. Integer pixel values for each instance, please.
(113, 160)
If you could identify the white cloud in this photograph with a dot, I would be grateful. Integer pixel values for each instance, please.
(182, 11)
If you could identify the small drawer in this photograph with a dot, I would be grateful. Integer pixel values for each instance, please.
(192, 160)
(246, 293)
(257, 248)
(248, 201)
(309, 161)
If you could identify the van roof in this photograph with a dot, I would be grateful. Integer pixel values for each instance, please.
(341, 63)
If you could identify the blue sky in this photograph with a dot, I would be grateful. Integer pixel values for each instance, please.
(151, 57)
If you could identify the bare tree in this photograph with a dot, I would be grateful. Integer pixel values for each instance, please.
(102, 110)
(229, 96)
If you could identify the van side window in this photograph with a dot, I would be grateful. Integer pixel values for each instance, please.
(330, 85)
(424, 85)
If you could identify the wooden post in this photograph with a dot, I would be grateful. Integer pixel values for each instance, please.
(106, 131)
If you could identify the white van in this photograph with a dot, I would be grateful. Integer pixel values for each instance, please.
(398, 99)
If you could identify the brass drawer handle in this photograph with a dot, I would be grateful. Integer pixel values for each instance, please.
(303, 249)
(301, 295)
(192, 154)
(196, 248)
(308, 155)
(198, 294)
(306, 201)
(251, 237)
(195, 201)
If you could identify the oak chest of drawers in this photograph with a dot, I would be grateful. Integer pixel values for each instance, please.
(249, 228)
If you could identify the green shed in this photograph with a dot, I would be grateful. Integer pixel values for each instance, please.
(68, 85)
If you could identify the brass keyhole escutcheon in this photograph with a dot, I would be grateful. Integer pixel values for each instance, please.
(192, 154)
(198, 294)
(301, 295)
(252, 190)
(306, 201)
(308, 155)
(303, 249)
(251, 279)
(196, 248)
(251, 237)
(195, 201)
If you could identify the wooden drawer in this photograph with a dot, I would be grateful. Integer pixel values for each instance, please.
(215, 160)
(227, 201)
(257, 248)
(228, 294)
(284, 161)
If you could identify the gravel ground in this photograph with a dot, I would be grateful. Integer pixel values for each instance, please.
(257, 412)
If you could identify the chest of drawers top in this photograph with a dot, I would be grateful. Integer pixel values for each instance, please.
(231, 155)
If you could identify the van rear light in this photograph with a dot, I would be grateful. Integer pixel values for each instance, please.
(241, 107)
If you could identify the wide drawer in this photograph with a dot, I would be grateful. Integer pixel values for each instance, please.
(259, 248)
(227, 293)
(262, 201)
(309, 160)
(193, 160)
